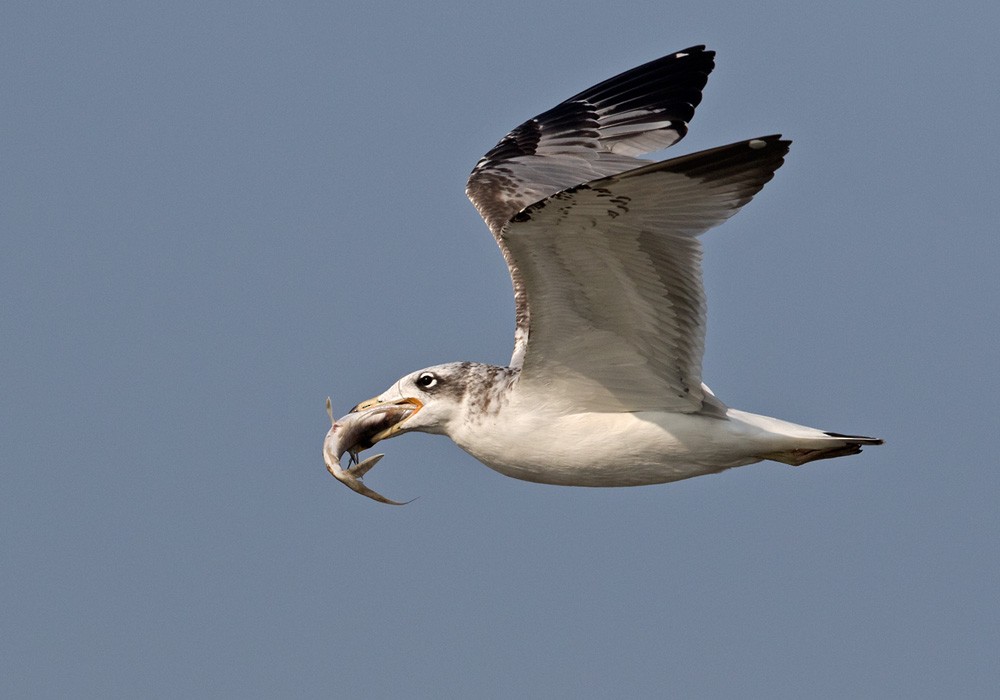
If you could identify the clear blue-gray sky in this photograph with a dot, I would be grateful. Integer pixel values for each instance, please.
(213, 215)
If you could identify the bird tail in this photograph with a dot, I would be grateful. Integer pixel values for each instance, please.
(839, 446)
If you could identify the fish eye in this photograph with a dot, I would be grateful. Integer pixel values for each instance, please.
(427, 380)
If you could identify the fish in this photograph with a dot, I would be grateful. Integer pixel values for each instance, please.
(355, 432)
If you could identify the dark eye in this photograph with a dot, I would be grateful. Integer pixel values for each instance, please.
(427, 380)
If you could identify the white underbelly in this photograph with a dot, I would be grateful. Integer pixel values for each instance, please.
(610, 449)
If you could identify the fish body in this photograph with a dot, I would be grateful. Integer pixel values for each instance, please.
(355, 432)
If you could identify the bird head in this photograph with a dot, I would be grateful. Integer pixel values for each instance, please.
(437, 393)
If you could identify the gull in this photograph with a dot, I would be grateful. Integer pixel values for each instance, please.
(604, 387)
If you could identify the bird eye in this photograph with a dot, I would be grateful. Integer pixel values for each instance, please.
(427, 380)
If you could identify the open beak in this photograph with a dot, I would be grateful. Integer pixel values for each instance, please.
(368, 423)
(395, 428)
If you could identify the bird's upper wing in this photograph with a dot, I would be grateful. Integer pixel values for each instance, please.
(596, 133)
(612, 278)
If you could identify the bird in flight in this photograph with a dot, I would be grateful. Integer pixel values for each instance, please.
(604, 386)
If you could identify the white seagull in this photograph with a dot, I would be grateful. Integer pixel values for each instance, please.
(604, 387)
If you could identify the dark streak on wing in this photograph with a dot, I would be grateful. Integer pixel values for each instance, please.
(595, 133)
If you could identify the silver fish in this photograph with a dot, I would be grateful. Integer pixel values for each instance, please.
(353, 433)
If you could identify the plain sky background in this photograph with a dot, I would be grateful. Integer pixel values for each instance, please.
(213, 215)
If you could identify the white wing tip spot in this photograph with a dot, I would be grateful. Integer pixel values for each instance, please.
(680, 54)
(757, 144)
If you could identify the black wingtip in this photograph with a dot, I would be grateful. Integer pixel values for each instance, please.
(699, 49)
(673, 82)
(767, 153)
(858, 439)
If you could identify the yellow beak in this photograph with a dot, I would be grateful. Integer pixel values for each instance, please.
(366, 404)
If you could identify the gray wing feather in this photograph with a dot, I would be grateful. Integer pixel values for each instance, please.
(612, 272)
(595, 133)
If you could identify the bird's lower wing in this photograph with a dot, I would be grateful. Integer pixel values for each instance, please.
(612, 276)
